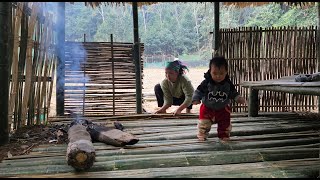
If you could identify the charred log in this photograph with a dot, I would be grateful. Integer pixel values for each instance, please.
(111, 136)
(80, 151)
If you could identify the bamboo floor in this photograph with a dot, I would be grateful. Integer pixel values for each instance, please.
(273, 145)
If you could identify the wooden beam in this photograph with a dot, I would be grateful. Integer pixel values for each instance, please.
(5, 38)
(136, 57)
(216, 35)
(60, 82)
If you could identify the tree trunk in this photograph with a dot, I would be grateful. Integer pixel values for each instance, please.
(80, 151)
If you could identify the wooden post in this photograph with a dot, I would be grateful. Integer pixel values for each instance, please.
(60, 25)
(318, 57)
(5, 37)
(136, 57)
(253, 106)
(318, 51)
(216, 35)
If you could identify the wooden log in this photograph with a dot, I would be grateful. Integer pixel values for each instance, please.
(111, 136)
(80, 151)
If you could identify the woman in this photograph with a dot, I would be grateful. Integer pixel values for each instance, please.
(175, 89)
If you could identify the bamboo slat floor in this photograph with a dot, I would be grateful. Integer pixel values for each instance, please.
(272, 145)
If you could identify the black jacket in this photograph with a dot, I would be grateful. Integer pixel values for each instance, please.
(215, 95)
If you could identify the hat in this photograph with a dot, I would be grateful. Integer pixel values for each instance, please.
(176, 59)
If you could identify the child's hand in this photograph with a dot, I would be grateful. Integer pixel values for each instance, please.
(196, 102)
(242, 100)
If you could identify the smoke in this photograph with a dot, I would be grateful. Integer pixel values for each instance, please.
(71, 80)
(76, 78)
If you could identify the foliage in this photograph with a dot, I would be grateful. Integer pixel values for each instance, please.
(176, 28)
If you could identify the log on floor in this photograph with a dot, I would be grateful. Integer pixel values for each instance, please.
(80, 151)
(111, 136)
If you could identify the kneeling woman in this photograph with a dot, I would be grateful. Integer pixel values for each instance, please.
(175, 89)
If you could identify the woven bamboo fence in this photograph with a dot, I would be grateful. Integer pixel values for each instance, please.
(33, 64)
(100, 78)
(267, 53)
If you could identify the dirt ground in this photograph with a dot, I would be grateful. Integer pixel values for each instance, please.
(25, 139)
(154, 76)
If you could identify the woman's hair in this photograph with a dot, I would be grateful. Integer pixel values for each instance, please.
(218, 61)
(177, 66)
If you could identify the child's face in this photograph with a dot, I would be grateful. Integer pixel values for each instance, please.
(218, 74)
(171, 75)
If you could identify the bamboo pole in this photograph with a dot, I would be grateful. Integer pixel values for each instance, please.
(53, 68)
(48, 61)
(113, 78)
(28, 72)
(257, 169)
(42, 58)
(14, 70)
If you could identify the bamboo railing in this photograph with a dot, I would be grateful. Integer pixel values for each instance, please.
(256, 54)
(100, 78)
(33, 65)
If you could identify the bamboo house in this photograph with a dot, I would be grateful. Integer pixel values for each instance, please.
(106, 104)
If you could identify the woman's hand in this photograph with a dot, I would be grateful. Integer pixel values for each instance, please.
(176, 112)
(196, 102)
(160, 111)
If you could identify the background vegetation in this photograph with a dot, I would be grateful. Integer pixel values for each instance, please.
(177, 29)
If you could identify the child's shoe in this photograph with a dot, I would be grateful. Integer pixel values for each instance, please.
(202, 137)
(224, 140)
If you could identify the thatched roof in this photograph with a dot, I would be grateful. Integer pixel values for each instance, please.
(237, 4)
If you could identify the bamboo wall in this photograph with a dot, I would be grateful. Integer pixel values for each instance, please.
(33, 64)
(100, 78)
(260, 54)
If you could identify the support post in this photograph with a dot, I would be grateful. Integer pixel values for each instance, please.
(253, 106)
(136, 57)
(318, 48)
(318, 58)
(216, 35)
(61, 59)
(5, 38)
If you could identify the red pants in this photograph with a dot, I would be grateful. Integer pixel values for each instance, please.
(207, 117)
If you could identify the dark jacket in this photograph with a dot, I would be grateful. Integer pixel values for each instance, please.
(215, 95)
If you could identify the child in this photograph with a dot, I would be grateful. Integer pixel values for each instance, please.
(216, 92)
(175, 89)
